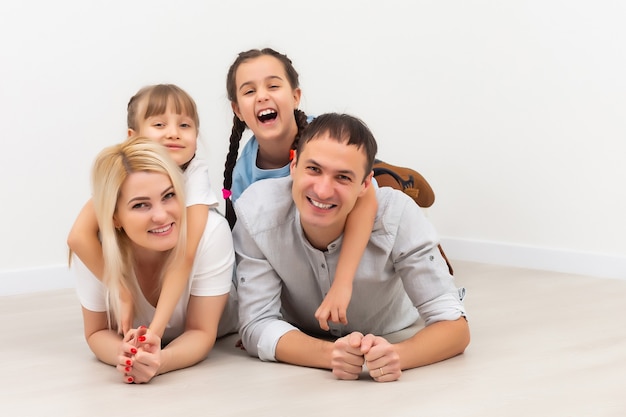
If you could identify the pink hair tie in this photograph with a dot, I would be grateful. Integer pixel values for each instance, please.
(226, 193)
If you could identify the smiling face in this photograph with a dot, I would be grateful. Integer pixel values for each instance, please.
(149, 211)
(265, 100)
(177, 132)
(327, 180)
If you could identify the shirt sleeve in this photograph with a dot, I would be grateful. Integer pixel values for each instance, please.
(212, 273)
(198, 185)
(91, 291)
(424, 272)
(258, 291)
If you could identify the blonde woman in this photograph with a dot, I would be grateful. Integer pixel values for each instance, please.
(138, 196)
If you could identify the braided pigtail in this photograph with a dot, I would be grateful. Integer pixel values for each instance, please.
(233, 151)
(302, 122)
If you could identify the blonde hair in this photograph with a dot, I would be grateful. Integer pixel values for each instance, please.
(112, 167)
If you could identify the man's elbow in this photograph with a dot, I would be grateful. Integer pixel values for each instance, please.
(463, 335)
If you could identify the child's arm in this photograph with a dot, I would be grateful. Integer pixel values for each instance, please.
(177, 274)
(357, 234)
(83, 241)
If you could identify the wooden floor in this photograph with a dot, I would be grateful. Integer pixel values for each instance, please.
(543, 344)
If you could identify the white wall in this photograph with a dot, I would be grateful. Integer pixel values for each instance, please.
(514, 111)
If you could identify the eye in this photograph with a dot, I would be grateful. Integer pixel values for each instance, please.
(185, 125)
(274, 86)
(313, 169)
(169, 195)
(158, 124)
(344, 178)
(248, 92)
(139, 206)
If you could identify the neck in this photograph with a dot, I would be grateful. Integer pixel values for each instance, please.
(184, 166)
(274, 153)
(148, 268)
(320, 238)
(147, 262)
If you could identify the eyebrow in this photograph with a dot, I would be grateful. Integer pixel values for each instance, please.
(143, 198)
(347, 172)
(271, 77)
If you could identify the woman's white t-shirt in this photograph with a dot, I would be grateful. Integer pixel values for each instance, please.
(211, 275)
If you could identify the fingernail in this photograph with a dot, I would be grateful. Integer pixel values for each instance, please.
(130, 379)
(127, 369)
(142, 327)
(133, 350)
(129, 362)
(142, 338)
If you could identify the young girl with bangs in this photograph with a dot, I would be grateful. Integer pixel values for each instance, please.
(264, 92)
(166, 114)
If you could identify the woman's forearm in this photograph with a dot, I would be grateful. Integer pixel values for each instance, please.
(105, 344)
(189, 348)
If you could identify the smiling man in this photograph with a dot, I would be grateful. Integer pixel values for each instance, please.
(288, 238)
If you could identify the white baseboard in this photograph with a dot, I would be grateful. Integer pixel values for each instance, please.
(581, 263)
(31, 280)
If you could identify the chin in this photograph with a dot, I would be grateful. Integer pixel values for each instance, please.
(318, 221)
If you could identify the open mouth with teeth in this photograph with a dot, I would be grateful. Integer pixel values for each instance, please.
(321, 205)
(162, 230)
(266, 115)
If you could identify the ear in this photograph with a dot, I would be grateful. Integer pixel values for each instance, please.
(292, 164)
(236, 110)
(297, 94)
(116, 222)
(131, 133)
(367, 184)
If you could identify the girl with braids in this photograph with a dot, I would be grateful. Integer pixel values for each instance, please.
(264, 92)
(166, 114)
(139, 202)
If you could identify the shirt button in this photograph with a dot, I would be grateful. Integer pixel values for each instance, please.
(323, 266)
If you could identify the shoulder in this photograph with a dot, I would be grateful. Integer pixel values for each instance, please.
(196, 165)
(250, 148)
(216, 241)
(91, 291)
(217, 227)
(197, 170)
(265, 203)
(394, 207)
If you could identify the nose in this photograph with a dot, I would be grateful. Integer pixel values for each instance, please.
(159, 214)
(262, 94)
(172, 131)
(324, 187)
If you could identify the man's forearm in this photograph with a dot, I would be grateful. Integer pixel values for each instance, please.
(434, 343)
(298, 348)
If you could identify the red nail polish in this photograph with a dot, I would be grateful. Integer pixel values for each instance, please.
(127, 369)
(133, 350)
(142, 327)
(128, 362)
(130, 379)
(142, 338)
